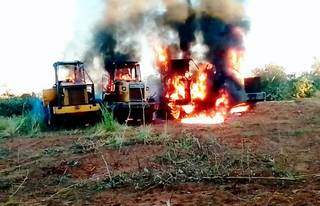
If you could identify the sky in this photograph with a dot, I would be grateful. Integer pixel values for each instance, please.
(284, 32)
(36, 33)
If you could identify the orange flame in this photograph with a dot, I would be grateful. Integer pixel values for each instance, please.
(217, 115)
(162, 57)
(239, 108)
(216, 118)
(188, 108)
(186, 92)
(235, 59)
(198, 88)
(177, 88)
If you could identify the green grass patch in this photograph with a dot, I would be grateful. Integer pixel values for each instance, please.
(108, 123)
(25, 125)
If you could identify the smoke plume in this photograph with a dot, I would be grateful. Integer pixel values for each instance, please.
(131, 29)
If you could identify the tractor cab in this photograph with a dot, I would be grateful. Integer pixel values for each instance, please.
(124, 83)
(72, 95)
(73, 84)
(70, 73)
(127, 72)
(126, 94)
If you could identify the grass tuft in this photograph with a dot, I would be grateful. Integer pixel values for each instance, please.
(145, 134)
(27, 124)
(108, 122)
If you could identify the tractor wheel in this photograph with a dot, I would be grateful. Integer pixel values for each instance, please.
(148, 117)
(49, 117)
(120, 116)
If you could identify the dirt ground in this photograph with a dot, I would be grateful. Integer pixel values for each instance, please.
(75, 167)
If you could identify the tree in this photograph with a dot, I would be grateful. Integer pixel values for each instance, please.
(315, 72)
(316, 66)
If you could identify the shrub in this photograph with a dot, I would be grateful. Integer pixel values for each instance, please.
(303, 87)
(274, 82)
(27, 124)
(7, 126)
(280, 86)
(15, 106)
(316, 81)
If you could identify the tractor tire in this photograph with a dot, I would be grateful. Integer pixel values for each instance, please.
(149, 117)
(120, 116)
(49, 117)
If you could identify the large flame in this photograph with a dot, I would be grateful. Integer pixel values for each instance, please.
(187, 92)
(217, 114)
(176, 88)
(198, 88)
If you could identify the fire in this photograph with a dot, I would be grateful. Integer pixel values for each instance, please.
(198, 88)
(70, 77)
(162, 57)
(217, 115)
(188, 108)
(177, 89)
(234, 60)
(216, 118)
(188, 93)
(239, 108)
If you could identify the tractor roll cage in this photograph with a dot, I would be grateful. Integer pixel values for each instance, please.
(77, 64)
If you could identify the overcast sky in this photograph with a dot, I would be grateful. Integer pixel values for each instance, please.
(36, 33)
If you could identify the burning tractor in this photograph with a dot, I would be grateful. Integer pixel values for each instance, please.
(201, 93)
(125, 94)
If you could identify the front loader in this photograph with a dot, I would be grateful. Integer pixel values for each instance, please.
(72, 98)
(126, 95)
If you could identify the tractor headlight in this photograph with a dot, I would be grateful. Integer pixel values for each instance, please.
(147, 88)
(124, 89)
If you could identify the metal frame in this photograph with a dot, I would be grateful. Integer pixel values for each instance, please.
(78, 64)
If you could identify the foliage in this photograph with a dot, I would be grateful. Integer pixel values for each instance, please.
(273, 81)
(15, 106)
(108, 123)
(303, 87)
(316, 67)
(144, 133)
(315, 73)
(280, 86)
(27, 124)
(7, 126)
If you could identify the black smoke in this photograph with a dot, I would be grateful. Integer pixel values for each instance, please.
(105, 44)
(217, 30)
(219, 36)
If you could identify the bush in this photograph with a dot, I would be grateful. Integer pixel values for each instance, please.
(30, 120)
(27, 124)
(303, 87)
(274, 82)
(15, 106)
(316, 81)
(7, 126)
(280, 86)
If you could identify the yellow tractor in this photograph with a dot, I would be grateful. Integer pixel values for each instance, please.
(72, 96)
(126, 95)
